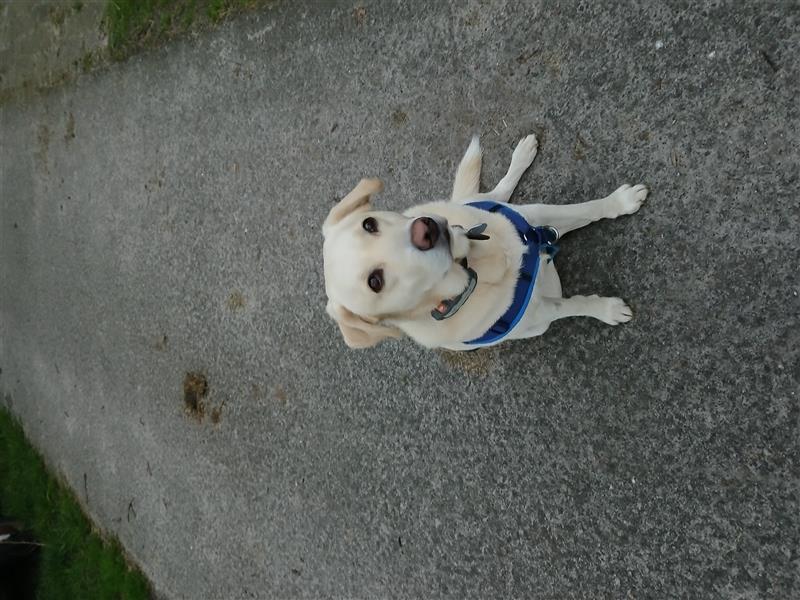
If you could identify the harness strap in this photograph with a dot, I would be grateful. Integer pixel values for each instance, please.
(537, 240)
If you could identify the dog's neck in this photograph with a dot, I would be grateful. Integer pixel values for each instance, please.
(489, 258)
(477, 260)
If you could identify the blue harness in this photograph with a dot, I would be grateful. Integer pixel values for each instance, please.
(537, 240)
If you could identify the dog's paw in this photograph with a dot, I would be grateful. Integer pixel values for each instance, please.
(626, 200)
(613, 311)
(525, 151)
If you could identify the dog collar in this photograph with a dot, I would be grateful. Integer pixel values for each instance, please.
(536, 240)
(448, 307)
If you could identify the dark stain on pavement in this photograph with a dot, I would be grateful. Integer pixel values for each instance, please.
(43, 140)
(580, 147)
(195, 389)
(478, 362)
(216, 413)
(280, 395)
(359, 15)
(70, 132)
(236, 301)
(161, 343)
(399, 118)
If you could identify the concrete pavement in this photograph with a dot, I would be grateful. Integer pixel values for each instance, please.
(163, 217)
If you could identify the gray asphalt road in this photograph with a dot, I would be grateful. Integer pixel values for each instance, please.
(163, 217)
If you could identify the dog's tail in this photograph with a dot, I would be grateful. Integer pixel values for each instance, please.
(468, 174)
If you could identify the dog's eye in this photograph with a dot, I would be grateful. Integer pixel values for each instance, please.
(370, 225)
(375, 280)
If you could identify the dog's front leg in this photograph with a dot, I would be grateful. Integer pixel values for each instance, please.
(612, 311)
(522, 158)
(625, 200)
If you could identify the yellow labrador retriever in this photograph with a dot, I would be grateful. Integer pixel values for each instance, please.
(462, 274)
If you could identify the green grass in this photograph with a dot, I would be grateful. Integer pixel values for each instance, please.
(136, 24)
(75, 561)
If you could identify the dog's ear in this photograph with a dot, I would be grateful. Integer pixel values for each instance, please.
(357, 331)
(357, 200)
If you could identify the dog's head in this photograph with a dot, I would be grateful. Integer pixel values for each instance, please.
(381, 265)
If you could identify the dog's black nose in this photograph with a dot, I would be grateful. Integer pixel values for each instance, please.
(424, 233)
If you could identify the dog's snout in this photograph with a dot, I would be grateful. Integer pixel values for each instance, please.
(424, 233)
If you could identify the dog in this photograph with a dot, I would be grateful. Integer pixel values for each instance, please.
(459, 275)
